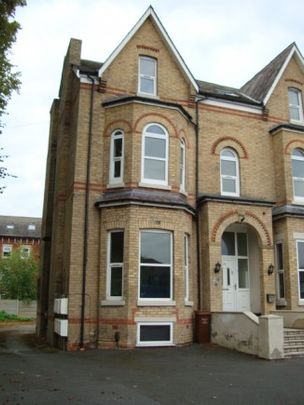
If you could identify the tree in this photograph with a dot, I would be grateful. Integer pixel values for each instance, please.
(9, 80)
(18, 277)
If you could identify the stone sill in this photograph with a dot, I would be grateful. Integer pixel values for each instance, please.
(156, 303)
(112, 303)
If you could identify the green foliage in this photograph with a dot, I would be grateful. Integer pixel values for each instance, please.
(18, 277)
(9, 79)
(9, 317)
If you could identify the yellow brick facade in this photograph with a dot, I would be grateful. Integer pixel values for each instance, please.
(82, 206)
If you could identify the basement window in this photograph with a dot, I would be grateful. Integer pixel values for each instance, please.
(155, 334)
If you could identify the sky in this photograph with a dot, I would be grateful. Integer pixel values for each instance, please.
(221, 41)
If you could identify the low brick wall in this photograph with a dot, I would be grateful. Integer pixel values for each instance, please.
(20, 308)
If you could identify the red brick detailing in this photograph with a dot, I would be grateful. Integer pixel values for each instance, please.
(221, 219)
(108, 133)
(185, 321)
(262, 225)
(106, 321)
(287, 149)
(148, 48)
(81, 186)
(76, 321)
(233, 140)
(157, 115)
(294, 81)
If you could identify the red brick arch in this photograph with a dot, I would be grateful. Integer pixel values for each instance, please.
(182, 135)
(234, 143)
(117, 124)
(298, 143)
(251, 218)
(156, 115)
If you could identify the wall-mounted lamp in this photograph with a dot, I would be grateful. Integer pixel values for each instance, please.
(217, 267)
(270, 269)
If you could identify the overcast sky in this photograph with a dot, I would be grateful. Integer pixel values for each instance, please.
(221, 41)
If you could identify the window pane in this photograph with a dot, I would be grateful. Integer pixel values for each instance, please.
(228, 247)
(281, 285)
(301, 284)
(147, 67)
(243, 273)
(242, 244)
(298, 152)
(297, 168)
(294, 113)
(279, 249)
(299, 188)
(154, 169)
(301, 255)
(293, 97)
(227, 152)
(155, 129)
(228, 168)
(154, 333)
(146, 85)
(118, 147)
(117, 166)
(116, 281)
(116, 255)
(155, 147)
(155, 247)
(229, 185)
(154, 282)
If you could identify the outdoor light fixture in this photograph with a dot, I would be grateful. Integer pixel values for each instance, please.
(217, 267)
(270, 269)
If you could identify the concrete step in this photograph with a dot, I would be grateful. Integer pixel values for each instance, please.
(294, 348)
(294, 354)
(293, 342)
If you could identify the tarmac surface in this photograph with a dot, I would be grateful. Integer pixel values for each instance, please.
(33, 373)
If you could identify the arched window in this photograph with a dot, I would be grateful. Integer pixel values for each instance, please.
(297, 161)
(230, 182)
(155, 155)
(182, 166)
(295, 104)
(116, 157)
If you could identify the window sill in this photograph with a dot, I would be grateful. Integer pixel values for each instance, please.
(182, 191)
(148, 95)
(159, 186)
(115, 185)
(298, 202)
(297, 122)
(188, 303)
(156, 303)
(112, 303)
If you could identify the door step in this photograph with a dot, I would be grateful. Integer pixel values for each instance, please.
(293, 342)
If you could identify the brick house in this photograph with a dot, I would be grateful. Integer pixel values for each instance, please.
(166, 195)
(20, 233)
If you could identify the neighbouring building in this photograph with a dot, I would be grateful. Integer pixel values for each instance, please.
(166, 195)
(20, 233)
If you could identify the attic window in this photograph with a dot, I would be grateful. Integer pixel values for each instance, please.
(10, 227)
(147, 76)
(31, 227)
(295, 104)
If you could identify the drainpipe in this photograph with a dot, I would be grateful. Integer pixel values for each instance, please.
(198, 250)
(86, 216)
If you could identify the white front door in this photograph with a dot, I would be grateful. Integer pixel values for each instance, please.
(236, 289)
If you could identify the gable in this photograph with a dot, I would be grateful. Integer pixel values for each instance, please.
(154, 20)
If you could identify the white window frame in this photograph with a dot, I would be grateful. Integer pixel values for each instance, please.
(182, 166)
(142, 75)
(301, 300)
(280, 299)
(117, 134)
(156, 300)
(236, 178)
(186, 267)
(147, 134)
(154, 343)
(110, 266)
(298, 106)
(7, 249)
(294, 178)
(26, 248)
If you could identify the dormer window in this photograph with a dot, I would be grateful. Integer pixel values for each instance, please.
(147, 76)
(295, 105)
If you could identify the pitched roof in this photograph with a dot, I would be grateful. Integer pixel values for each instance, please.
(262, 84)
(150, 13)
(225, 92)
(20, 227)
